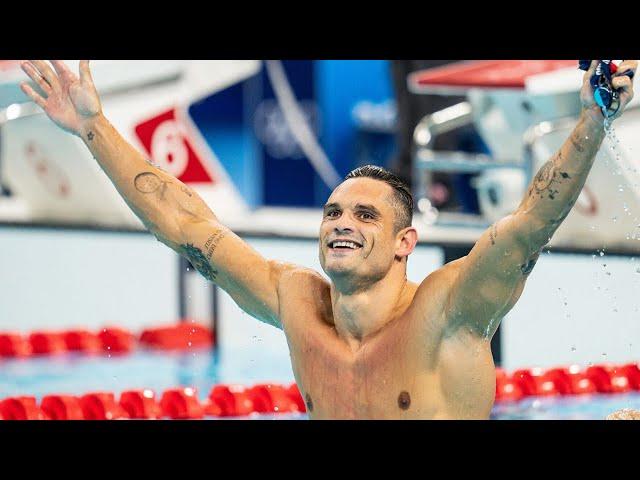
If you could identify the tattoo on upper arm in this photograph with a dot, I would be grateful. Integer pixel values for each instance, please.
(575, 141)
(493, 233)
(199, 261)
(527, 267)
(547, 178)
(90, 136)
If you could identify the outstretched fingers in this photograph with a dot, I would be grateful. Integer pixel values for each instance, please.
(47, 73)
(85, 73)
(35, 96)
(63, 71)
(37, 77)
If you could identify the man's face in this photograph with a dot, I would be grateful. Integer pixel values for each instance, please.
(357, 236)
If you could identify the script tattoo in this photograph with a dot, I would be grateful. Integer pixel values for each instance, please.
(212, 242)
(199, 261)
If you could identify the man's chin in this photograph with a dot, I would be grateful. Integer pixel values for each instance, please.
(339, 268)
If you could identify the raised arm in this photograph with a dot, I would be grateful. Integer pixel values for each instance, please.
(173, 212)
(491, 278)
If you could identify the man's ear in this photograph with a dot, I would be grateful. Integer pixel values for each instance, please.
(406, 241)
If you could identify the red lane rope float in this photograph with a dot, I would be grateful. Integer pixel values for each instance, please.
(112, 340)
(571, 380)
(175, 403)
(178, 337)
(21, 408)
(140, 404)
(62, 407)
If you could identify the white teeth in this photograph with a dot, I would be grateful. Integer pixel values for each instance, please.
(345, 244)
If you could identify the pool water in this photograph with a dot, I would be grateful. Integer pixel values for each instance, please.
(77, 374)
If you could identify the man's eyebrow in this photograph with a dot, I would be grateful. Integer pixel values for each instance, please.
(371, 208)
(330, 205)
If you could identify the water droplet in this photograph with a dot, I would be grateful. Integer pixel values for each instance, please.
(615, 219)
(604, 355)
(573, 348)
(601, 253)
(189, 343)
(187, 269)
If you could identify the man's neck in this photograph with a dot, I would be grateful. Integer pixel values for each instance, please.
(362, 313)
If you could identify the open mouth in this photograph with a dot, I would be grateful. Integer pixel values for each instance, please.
(344, 245)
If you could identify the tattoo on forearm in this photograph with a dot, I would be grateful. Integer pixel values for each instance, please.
(493, 233)
(199, 261)
(212, 242)
(575, 141)
(547, 178)
(90, 136)
(148, 182)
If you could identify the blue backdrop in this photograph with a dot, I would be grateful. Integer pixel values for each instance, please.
(244, 127)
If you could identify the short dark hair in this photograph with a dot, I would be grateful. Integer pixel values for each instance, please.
(403, 199)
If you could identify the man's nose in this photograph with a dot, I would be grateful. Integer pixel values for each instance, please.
(344, 226)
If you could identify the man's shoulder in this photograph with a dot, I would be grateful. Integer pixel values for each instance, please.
(435, 288)
(444, 275)
(296, 275)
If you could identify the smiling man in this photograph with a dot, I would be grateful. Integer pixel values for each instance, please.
(366, 343)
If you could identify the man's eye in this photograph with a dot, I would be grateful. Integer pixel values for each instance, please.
(333, 213)
(366, 216)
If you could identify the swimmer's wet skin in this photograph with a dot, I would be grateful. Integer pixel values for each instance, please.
(367, 343)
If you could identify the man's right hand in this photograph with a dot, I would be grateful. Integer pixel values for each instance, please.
(69, 101)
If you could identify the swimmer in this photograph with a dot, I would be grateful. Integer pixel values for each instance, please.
(367, 343)
(624, 414)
